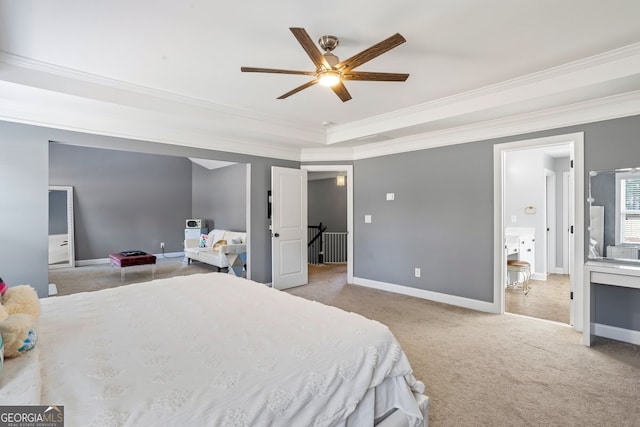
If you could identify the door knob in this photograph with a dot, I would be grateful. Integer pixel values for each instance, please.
(276, 235)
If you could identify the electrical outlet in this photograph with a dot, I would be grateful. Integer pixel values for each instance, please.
(161, 245)
(417, 272)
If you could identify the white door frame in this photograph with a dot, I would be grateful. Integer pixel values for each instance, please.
(550, 220)
(249, 264)
(565, 222)
(348, 170)
(499, 151)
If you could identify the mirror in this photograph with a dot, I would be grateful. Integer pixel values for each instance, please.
(614, 228)
(61, 249)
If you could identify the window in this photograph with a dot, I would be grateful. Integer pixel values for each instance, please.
(628, 208)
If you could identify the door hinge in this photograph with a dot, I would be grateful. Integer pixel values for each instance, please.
(571, 231)
(571, 164)
(571, 295)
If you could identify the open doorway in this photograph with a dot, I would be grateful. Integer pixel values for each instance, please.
(330, 212)
(538, 220)
(533, 203)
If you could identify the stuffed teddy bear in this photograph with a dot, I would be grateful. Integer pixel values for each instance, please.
(19, 311)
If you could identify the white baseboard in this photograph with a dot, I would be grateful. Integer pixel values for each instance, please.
(170, 255)
(84, 262)
(428, 295)
(539, 276)
(53, 289)
(618, 334)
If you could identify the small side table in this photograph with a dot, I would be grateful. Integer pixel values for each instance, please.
(235, 260)
(122, 261)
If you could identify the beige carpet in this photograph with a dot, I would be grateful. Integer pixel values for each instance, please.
(482, 369)
(100, 276)
(547, 299)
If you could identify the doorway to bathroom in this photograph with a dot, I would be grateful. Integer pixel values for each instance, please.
(540, 228)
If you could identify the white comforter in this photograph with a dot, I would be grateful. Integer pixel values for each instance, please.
(216, 350)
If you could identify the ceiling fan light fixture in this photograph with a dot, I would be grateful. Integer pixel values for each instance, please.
(328, 78)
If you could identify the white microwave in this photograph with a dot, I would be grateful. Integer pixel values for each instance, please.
(194, 223)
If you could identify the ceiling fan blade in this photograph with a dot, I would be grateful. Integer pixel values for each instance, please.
(378, 77)
(373, 52)
(341, 91)
(275, 71)
(298, 89)
(310, 47)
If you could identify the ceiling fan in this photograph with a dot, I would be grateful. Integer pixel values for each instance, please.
(332, 72)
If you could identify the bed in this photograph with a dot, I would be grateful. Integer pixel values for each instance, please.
(213, 349)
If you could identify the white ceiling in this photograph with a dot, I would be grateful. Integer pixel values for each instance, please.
(169, 70)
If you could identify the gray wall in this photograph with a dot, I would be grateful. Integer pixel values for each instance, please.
(219, 196)
(58, 223)
(327, 204)
(24, 176)
(610, 145)
(442, 217)
(123, 200)
(24, 154)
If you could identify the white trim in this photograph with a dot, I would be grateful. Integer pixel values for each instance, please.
(575, 114)
(328, 154)
(550, 220)
(248, 220)
(348, 169)
(582, 73)
(577, 139)
(85, 262)
(150, 115)
(618, 334)
(230, 112)
(565, 221)
(206, 130)
(53, 289)
(427, 295)
(539, 276)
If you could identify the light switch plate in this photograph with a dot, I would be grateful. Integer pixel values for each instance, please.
(514, 218)
(367, 219)
(391, 196)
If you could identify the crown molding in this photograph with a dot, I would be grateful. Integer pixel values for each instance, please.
(607, 108)
(132, 96)
(195, 123)
(60, 71)
(328, 154)
(39, 107)
(610, 65)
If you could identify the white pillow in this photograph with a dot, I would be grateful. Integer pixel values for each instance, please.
(214, 236)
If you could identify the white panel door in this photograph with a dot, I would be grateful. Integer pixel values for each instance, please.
(288, 227)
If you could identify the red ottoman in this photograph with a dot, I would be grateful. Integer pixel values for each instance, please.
(123, 260)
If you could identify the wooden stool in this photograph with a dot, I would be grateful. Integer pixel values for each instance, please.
(520, 267)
